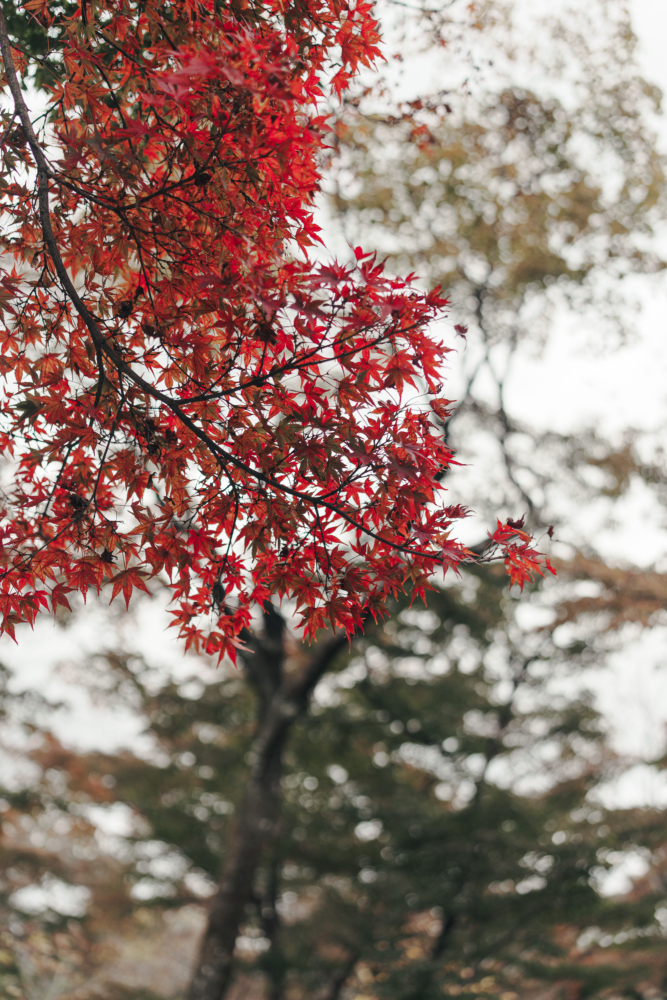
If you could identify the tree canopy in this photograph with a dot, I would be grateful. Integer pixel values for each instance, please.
(186, 392)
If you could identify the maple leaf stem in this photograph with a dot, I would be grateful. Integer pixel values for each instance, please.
(112, 431)
(28, 557)
(56, 483)
(40, 59)
(8, 129)
(324, 544)
(299, 364)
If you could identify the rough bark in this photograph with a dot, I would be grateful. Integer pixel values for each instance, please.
(281, 701)
(273, 963)
(337, 979)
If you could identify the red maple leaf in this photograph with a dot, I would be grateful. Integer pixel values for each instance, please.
(241, 401)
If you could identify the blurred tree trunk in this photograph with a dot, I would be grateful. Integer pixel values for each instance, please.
(280, 701)
(336, 981)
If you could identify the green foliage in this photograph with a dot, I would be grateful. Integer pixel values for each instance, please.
(38, 41)
(437, 831)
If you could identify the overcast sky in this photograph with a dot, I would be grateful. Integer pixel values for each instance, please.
(650, 20)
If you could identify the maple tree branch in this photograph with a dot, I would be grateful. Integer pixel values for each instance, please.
(262, 657)
(40, 59)
(68, 452)
(28, 557)
(103, 459)
(326, 652)
(5, 134)
(298, 364)
(101, 342)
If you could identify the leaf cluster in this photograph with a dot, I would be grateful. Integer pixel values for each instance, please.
(185, 393)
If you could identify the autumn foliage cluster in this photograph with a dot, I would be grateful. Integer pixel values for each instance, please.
(186, 391)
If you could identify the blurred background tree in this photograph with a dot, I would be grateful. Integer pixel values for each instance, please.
(530, 205)
(439, 829)
(445, 826)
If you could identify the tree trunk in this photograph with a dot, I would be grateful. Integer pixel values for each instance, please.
(281, 701)
(337, 979)
(256, 822)
(273, 961)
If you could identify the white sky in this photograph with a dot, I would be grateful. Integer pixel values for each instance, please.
(650, 21)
